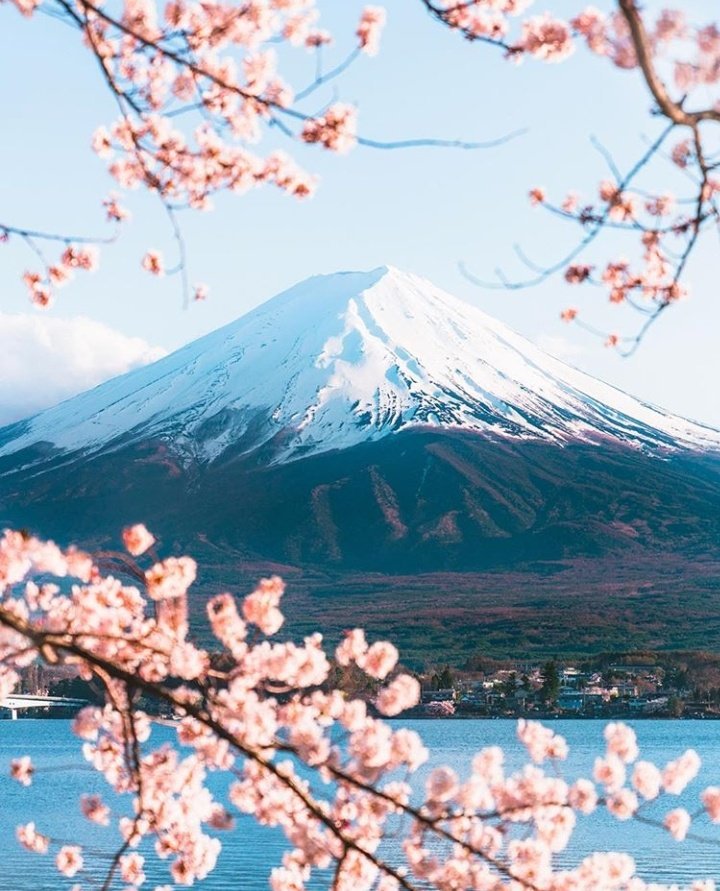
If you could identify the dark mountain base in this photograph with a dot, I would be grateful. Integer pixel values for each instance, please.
(448, 542)
(580, 607)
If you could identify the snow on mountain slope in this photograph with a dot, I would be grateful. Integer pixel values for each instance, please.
(342, 359)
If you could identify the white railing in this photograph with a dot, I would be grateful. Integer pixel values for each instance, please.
(22, 701)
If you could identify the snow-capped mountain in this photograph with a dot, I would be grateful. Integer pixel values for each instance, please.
(340, 360)
(406, 462)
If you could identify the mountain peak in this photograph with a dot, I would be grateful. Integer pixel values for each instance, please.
(341, 359)
(330, 292)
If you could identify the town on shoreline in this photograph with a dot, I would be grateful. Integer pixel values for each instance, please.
(644, 685)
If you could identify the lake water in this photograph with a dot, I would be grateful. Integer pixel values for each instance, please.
(250, 851)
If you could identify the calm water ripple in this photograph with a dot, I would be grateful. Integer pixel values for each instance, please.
(250, 851)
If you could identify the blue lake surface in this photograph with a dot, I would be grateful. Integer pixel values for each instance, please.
(250, 851)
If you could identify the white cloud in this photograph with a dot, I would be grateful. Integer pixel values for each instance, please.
(44, 360)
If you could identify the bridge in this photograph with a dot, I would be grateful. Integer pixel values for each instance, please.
(22, 701)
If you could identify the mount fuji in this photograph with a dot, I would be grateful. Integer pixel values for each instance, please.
(344, 359)
(369, 435)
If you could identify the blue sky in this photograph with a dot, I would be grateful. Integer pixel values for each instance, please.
(421, 210)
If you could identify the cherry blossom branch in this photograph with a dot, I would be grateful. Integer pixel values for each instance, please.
(630, 40)
(598, 222)
(134, 767)
(203, 72)
(161, 72)
(45, 641)
(7, 229)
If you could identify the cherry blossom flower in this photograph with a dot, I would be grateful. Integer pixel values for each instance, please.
(546, 38)
(131, 869)
(261, 607)
(621, 741)
(677, 822)
(318, 37)
(661, 205)
(583, 796)
(87, 723)
(152, 262)
(402, 693)
(379, 660)
(622, 804)
(678, 773)
(102, 142)
(21, 770)
(610, 771)
(335, 130)
(570, 203)
(370, 28)
(31, 839)
(577, 273)
(27, 7)
(647, 779)
(114, 211)
(59, 274)
(170, 578)
(710, 798)
(682, 153)
(352, 648)
(85, 257)
(541, 742)
(137, 539)
(442, 784)
(93, 807)
(69, 860)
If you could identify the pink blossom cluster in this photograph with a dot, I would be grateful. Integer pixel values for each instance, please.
(691, 51)
(546, 38)
(372, 22)
(439, 709)
(238, 95)
(541, 743)
(654, 220)
(40, 285)
(542, 37)
(655, 281)
(275, 699)
(153, 153)
(153, 263)
(336, 129)
(137, 539)
(231, 78)
(302, 755)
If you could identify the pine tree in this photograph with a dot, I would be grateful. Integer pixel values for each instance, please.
(550, 682)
